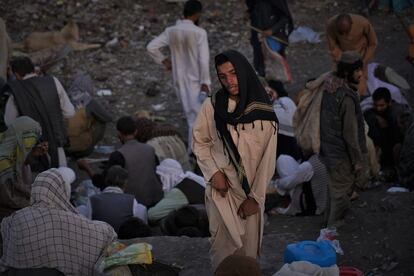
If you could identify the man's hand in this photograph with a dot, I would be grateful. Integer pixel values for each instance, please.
(248, 207)
(358, 167)
(40, 149)
(267, 33)
(219, 182)
(83, 164)
(167, 64)
(204, 87)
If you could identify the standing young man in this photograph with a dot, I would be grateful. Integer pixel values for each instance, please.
(189, 60)
(343, 144)
(234, 139)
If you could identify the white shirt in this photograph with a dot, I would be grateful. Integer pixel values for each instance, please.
(189, 52)
(138, 210)
(68, 110)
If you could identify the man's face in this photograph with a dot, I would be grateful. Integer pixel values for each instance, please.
(356, 76)
(344, 27)
(381, 106)
(227, 76)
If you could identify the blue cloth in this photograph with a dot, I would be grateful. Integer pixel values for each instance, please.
(274, 45)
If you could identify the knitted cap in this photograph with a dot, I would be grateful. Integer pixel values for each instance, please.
(350, 57)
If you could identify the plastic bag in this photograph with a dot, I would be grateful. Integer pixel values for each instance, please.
(330, 234)
(137, 253)
(85, 190)
(276, 66)
(304, 34)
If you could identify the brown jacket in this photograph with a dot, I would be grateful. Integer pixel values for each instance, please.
(361, 38)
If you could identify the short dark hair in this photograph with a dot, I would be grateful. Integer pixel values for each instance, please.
(126, 125)
(192, 7)
(116, 176)
(278, 87)
(133, 228)
(343, 17)
(346, 70)
(22, 66)
(381, 93)
(220, 59)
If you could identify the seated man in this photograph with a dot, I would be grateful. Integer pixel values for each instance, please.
(165, 139)
(55, 236)
(113, 205)
(381, 76)
(17, 145)
(180, 189)
(284, 108)
(138, 159)
(305, 183)
(190, 221)
(383, 126)
(44, 100)
(87, 127)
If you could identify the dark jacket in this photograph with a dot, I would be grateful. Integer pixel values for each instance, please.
(271, 14)
(37, 98)
(143, 182)
(112, 208)
(342, 128)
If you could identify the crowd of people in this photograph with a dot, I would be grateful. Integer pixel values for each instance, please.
(257, 150)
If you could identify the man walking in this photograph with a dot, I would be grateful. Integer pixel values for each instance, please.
(234, 139)
(342, 133)
(189, 59)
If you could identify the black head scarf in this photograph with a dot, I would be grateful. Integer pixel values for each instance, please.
(253, 104)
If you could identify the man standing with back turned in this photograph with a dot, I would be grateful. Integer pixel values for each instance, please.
(234, 139)
(189, 59)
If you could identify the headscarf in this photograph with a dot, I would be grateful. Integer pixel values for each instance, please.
(80, 90)
(50, 233)
(171, 173)
(69, 177)
(16, 143)
(253, 104)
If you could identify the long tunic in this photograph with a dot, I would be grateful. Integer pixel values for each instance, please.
(190, 55)
(257, 148)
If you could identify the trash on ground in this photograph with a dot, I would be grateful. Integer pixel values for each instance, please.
(304, 34)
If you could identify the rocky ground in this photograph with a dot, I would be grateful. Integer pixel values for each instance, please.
(377, 237)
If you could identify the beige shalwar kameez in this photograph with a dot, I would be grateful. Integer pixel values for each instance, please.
(256, 144)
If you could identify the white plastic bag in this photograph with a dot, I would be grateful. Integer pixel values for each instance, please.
(330, 234)
(304, 34)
